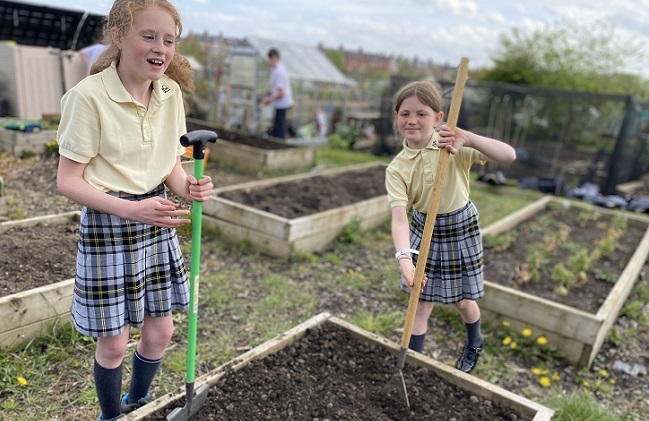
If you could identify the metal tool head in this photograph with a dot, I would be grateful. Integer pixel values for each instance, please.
(398, 383)
(193, 404)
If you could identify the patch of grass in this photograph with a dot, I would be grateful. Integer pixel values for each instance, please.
(495, 203)
(333, 158)
(382, 323)
(580, 405)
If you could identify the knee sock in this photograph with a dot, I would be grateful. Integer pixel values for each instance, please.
(108, 382)
(143, 373)
(417, 342)
(473, 334)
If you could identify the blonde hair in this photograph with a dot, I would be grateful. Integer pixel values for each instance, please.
(427, 92)
(121, 16)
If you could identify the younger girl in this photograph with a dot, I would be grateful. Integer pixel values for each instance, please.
(119, 141)
(454, 266)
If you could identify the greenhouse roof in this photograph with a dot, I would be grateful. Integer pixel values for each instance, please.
(42, 26)
(302, 62)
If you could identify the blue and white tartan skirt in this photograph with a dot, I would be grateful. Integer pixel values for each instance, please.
(125, 269)
(455, 259)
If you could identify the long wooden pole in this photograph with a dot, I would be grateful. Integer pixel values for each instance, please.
(438, 184)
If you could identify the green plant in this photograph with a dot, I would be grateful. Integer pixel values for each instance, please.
(580, 405)
(345, 137)
(352, 232)
(380, 323)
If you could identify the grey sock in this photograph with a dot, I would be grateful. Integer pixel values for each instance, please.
(144, 371)
(473, 334)
(417, 342)
(108, 382)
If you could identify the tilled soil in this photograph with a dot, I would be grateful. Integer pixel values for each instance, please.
(329, 374)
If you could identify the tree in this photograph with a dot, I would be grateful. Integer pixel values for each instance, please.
(570, 56)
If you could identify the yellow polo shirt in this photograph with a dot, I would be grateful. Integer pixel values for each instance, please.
(410, 176)
(126, 146)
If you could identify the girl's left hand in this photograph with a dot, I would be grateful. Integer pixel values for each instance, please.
(200, 190)
(452, 140)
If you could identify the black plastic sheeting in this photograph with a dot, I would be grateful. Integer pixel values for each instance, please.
(42, 26)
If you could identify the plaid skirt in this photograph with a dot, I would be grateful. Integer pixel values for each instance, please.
(125, 269)
(455, 258)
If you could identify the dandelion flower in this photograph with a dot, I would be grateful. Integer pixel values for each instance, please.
(22, 381)
(506, 323)
(544, 372)
(507, 341)
(555, 377)
(513, 345)
(542, 340)
(536, 371)
(611, 381)
(603, 372)
(586, 384)
(544, 381)
(527, 332)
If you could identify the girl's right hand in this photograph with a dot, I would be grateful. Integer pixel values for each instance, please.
(407, 268)
(159, 212)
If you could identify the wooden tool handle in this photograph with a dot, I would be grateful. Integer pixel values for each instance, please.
(438, 184)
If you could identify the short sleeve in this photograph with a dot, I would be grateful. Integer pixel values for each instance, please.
(79, 131)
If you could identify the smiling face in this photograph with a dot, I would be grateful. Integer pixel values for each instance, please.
(416, 121)
(148, 47)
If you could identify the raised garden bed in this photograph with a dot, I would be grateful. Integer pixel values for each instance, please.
(254, 154)
(326, 368)
(563, 269)
(30, 303)
(19, 143)
(304, 212)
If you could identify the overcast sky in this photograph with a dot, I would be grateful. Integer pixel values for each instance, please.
(441, 30)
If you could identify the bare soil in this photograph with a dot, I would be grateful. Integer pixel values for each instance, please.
(31, 188)
(508, 265)
(329, 374)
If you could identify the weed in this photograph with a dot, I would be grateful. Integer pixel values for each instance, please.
(380, 323)
(580, 405)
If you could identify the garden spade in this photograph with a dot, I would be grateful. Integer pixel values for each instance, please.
(397, 381)
(197, 139)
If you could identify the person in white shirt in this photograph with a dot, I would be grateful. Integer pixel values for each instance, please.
(280, 95)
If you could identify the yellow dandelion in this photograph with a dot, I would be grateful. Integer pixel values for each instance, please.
(603, 372)
(506, 323)
(586, 384)
(611, 381)
(544, 372)
(22, 381)
(541, 340)
(555, 377)
(527, 332)
(350, 271)
(544, 381)
(507, 341)
(513, 345)
(536, 371)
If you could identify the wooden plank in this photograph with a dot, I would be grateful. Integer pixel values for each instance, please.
(61, 218)
(23, 333)
(513, 219)
(36, 304)
(336, 219)
(611, 307)
(548, 315)
(267, 244)
(576, 352)
(247, 216)
(24, 312)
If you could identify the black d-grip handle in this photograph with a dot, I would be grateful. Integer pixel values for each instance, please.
(198, 139)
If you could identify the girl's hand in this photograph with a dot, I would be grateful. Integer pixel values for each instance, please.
(200, 190)
(451, 140)
(159, 212)
(407, 268)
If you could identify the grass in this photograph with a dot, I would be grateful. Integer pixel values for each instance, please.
(257, 298)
